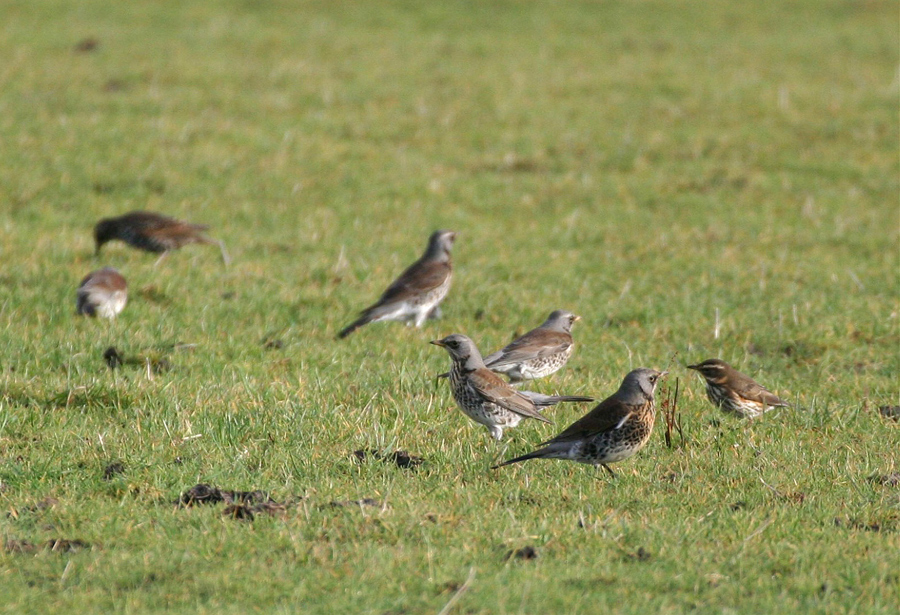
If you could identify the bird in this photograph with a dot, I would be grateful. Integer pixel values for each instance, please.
(734, 392)
(540, 352)
(485, 397)
(617, 428)
(153, 232)
(102, 293)
(417, 293)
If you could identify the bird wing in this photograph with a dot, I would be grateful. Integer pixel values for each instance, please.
(151, 222)
(419, 277)
(756, 392)
(533, 345)
(608, 415)
(494, 389)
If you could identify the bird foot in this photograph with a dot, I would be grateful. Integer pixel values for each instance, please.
(608, 469)
(225, 258)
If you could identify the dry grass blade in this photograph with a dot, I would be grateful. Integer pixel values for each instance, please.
(671, 416)
(455, 598)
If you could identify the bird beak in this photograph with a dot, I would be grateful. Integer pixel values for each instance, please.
(664, 374)
(577, 318)
(438, 343)
(693, 367)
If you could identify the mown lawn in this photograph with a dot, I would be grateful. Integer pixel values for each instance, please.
(694, 179)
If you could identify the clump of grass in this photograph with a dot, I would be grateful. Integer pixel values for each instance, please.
(671, 416)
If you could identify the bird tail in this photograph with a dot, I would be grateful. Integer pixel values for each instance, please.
(541, 452)
(370, 314)
(542, 401)
(444, 375)
(493, 358)
(365, 319)
(84, 306)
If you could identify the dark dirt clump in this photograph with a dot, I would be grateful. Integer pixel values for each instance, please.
(401, 459)
(114, 359)
(240, 505)
(888, 480)
(526, 552)
(890, 412)
(641, 555)
(204, 494)
(113, 469)
(86, 45)
(888, 525)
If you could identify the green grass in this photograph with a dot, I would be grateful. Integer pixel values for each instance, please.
(646, 165)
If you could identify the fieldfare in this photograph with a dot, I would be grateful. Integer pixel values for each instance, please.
(616, 429)
(419, 290)
(538, 353)
(102, 293)
(485, 397)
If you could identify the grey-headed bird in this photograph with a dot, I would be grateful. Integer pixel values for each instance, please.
(617, 428)
(485, 397)
(418, 291)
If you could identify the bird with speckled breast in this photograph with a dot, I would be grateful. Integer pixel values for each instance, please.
(485, 397)
(735, 393)
(617, 428)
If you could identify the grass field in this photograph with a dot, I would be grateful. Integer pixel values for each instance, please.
(694, 179)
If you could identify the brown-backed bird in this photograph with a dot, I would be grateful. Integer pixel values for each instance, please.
(485, 397)
(153, 232)
(418, 291)
(102, 293)
(734, 392)
(616, 429)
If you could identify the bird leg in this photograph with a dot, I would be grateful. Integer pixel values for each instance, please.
(608, 469)
(225, 258)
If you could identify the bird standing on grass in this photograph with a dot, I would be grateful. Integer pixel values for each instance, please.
(734, 392)
(419, 290)
(538, 353)
(616, 429)
(485, 397)
(153, 232)
(102, 293)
